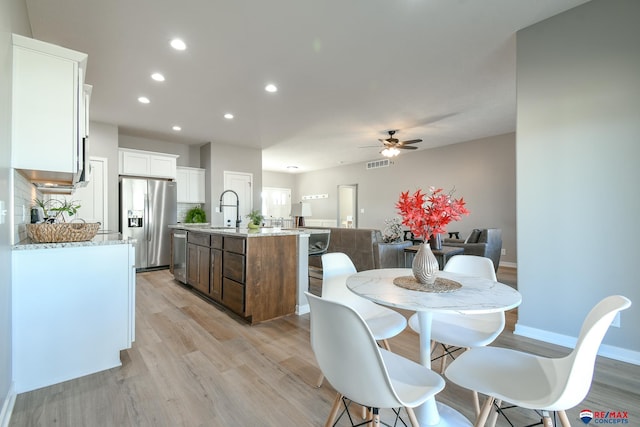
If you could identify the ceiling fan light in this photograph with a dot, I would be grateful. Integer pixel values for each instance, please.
(390, 152)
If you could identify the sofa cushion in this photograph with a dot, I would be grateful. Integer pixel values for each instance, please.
(474, 236)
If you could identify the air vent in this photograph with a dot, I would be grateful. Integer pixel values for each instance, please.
(375, 164)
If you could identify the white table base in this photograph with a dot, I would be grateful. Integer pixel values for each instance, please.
(433, 413)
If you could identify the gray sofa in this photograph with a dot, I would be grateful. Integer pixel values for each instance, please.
(486, 242)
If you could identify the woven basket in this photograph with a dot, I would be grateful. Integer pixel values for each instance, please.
(62, 232)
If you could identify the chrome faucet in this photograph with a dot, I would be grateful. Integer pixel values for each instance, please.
(237, 205)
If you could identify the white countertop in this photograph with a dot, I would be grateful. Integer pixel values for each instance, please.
(98, 240)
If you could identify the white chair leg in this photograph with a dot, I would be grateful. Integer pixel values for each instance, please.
(334, 410)
(564, 420)
(484, 414)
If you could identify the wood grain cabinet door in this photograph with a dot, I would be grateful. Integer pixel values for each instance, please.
(192, 264)
(216, 275)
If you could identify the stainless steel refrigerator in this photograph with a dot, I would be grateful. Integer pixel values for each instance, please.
(147, 208)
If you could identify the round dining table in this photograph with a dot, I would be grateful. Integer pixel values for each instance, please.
(475, 296)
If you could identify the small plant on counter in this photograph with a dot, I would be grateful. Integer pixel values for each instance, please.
(195, 215)
(255, 218)
(57, 210)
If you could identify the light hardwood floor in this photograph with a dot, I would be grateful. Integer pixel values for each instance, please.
(194, 365)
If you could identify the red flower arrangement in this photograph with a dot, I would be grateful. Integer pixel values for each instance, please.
(427, 216)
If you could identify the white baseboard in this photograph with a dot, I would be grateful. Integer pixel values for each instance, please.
(612, 352)
(7, 407)
(302, 309)
(507, 264)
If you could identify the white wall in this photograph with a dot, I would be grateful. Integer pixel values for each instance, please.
(482, 171)
(578, 148)
(217, 158)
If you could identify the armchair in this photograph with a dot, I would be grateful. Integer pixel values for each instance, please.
(486, 242)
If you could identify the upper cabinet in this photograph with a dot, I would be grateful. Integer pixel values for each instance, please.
(191, 185)
(147, 163)
(50, 106)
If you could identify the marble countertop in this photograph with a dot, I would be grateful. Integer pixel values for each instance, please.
(100, 239)
(247, 232)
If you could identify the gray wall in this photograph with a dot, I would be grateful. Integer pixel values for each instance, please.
(578, 148)
(482, 171)
(279, 180)
(217, 158)
(104, 143)
(13, 18)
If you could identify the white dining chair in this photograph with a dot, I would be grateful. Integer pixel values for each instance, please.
(536, 382)
(359, 369)
(464, 331)
(384, 322)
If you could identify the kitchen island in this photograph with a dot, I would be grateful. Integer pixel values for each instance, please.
(257, 274)
(73, 308)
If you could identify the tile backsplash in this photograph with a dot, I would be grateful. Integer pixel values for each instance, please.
(23, 196)
(183, 208)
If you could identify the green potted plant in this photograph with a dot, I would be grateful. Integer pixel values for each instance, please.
(55, 210)
(255, 219)
(195, 215)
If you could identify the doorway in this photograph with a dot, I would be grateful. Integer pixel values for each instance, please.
(348, 206)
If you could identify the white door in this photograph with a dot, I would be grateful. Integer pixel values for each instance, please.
(242, 184)
(92, 198)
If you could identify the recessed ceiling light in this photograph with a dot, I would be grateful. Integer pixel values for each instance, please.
(271, 88)
(178, 44)
(177, 128)
(157, 77)
(143, 100)
(228, 116)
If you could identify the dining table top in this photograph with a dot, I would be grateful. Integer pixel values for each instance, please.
(475, 296)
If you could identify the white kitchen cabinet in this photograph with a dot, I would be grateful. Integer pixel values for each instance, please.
(73, 311)
(49, 109)
(147, 163)
(191, 185)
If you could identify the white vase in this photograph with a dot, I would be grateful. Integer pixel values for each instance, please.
(425, 265)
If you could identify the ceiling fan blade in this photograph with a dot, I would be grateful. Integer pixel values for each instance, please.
(412, 141)
(402, 147)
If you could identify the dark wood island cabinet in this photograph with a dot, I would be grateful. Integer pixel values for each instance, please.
(254, 276)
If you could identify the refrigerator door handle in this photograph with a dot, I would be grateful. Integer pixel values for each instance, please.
(147, 207)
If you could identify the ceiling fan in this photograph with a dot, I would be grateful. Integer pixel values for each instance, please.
(392, 146)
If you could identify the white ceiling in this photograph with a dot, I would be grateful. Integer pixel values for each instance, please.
(347, 70)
